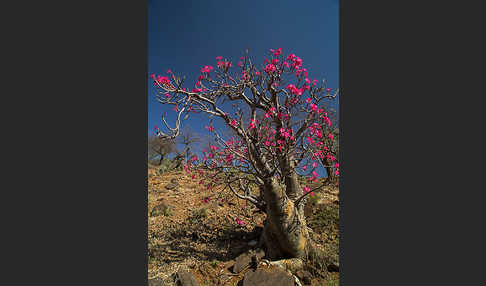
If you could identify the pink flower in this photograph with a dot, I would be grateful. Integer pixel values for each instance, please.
(275, 61)
(176, 108)
(257, 73)
(306, 189)
(278, 52)
(314, 164)
(308, 100)
(330, 136)
(210, 128)
(252, 124)
(240, 63)
(337, 172)
(239, 221)
(219, 58)
(233, 122)
(337, 165)
(304, 167)
(228, 158)
(290, 57)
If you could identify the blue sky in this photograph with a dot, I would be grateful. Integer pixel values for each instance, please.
(186, 35)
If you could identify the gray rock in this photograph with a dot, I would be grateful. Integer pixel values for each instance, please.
(268, 276)
(173, 181)
(333, 266)
(304, 276)
(244, 260)
(171, 186)
(185, 278)
(156, 282)
(252, 243)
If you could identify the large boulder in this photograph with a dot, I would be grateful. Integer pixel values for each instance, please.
(268, 276)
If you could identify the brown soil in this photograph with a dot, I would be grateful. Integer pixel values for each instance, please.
(203, 237)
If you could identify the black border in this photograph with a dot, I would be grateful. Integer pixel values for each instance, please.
(83, 195)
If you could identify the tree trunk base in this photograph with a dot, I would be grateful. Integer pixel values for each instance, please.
(316, 258)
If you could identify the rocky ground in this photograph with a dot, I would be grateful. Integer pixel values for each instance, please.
(196, 240)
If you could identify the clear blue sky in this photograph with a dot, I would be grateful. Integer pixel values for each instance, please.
(186, 35)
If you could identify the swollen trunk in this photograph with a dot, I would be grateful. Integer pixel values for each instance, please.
(285, 234)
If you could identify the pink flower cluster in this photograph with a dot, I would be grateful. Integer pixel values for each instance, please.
(239, 221)
(277, 52)
(287, 133)
(294, 90)
(206, 69)
(160, 80)
(296, 61)
(270, 68)
(223, 64)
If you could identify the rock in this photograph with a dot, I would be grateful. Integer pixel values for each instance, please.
(185, 278)
(173, 181)
(156, 282)
(333, 267)
(171, 186)
(268, 276)
(244, 260)
(162, 209)
(304, 276)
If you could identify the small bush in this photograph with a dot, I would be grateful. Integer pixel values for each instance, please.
(313, 199)
(198, 215)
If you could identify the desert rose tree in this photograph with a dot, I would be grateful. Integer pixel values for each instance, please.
(280, 129)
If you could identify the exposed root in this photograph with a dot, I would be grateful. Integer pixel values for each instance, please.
(296, 280)
(293, 264)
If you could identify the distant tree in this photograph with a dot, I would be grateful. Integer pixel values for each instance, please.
(159, 148)
(188, 138)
